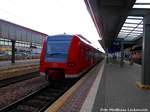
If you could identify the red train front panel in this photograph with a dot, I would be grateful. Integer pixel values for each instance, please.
(54, 56)
(65, 56)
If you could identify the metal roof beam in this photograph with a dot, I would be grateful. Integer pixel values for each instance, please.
(132, 27)
(132, 23)
(138, 30)
(142, 3)
(113, 11)
(123, 12)
(139, 36)
(128, 42)
(135, 18)
(139, 12)
(131, 30)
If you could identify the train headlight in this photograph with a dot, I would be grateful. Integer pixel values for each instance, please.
(71, 64)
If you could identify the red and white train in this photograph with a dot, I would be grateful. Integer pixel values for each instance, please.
(67, 56)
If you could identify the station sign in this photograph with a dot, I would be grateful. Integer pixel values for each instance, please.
(116, 45)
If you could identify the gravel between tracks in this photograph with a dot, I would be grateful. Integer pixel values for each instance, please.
(16, 91)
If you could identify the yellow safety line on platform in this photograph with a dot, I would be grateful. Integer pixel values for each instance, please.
(61, 101)
(142, 86)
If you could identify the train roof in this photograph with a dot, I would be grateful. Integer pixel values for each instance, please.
(69, 37)
(85, 39)
(60, 37)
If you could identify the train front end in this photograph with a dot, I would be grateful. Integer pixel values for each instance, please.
(54, 56)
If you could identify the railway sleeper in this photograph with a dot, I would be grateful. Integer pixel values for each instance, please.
(25, 108)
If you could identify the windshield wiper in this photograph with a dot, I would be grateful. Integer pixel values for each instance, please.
(53, 54)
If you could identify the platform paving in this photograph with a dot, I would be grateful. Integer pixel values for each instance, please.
(113, 90)
(117, 91)
(75, 102)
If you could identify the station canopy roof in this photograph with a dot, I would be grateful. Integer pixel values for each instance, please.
(16, 32)
(118, 19)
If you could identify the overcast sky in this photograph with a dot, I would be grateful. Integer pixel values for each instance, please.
(51, 16)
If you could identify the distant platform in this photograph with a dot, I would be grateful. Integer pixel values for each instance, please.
(4, 64)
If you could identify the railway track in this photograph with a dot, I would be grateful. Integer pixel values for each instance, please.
(9, 81)
(40, 99)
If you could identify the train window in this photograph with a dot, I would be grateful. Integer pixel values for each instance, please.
(90, 55)
(82, 50)
(57, 51)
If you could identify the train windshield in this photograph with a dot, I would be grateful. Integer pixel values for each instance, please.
(57, 50)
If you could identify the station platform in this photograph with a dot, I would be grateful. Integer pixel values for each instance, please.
(106, 88)
(6, 64)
